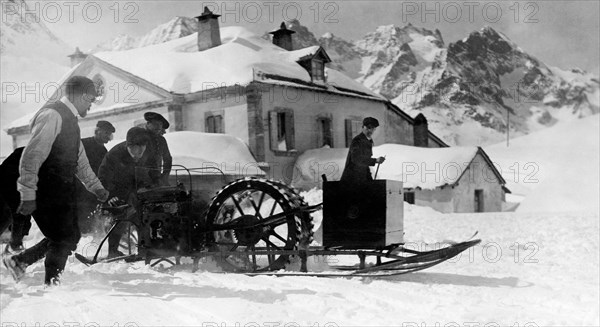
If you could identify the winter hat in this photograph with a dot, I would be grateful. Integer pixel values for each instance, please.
(370, 122)
(153, 116)
(103, 124)
(137, 136)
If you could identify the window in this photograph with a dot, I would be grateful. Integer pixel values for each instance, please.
(317, 70)
(479, 201)
(325, 133)
(214, 124)
(353, 128)
(409, 197)
(281, 130)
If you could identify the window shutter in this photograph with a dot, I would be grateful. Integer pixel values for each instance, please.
(329, 131)
(289, 130)
(219, 128)
(349, 135)
(273, 129)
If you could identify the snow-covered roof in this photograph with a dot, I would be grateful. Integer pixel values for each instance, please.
(177, 66)
(425, 168)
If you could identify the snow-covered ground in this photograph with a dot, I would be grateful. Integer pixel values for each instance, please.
(536, 267)
(530, 270)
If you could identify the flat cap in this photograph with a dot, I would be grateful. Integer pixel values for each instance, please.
(153, 116)
(137, 136)
(370, 122)
(107, 126)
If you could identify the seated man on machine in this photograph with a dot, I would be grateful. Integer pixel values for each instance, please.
(123, 171)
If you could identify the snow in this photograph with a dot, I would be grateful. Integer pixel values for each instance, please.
(555, 168)
(411, 165)
(177, 66)
(423, 46)
(202, 150)
(524, 273)
(197, 150)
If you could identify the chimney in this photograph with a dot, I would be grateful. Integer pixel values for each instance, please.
(209, 35)
(421, 132)
(77, 57)
(283, 37)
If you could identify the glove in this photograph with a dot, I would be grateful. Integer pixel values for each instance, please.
(115, 202)
(101, 194)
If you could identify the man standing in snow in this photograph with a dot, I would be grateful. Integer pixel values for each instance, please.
(95, 151)
(51, 161)
(94, 145)
(356, 171)
(158, 150)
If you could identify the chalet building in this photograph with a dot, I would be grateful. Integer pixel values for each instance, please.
(278, 100)
(451, 179)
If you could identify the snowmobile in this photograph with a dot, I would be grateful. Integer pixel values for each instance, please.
(256, 226)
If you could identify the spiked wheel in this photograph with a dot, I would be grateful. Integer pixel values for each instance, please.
(251, 215)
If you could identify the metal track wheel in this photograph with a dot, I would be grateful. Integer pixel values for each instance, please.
(249, 245)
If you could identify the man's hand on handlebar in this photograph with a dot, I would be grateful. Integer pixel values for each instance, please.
(115, 202)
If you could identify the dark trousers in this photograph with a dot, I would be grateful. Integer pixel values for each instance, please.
(19, 224)
(57, 219)
(20, 227)
(86, 204)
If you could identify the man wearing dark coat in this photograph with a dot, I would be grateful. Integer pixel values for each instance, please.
(94, 145)
(10, 199)
(158, 150)
(123, 171)
(356, 176)
(359, 159)
(95, 151)
(51, 162)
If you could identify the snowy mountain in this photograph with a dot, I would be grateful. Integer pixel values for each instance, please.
(465, 89)
(23, 34)
(23, 38)
(175, 28)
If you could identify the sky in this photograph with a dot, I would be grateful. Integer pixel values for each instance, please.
(560, 33)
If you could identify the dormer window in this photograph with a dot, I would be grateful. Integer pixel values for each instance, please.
(314, 62)
(317, 70)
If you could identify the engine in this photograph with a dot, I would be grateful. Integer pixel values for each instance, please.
(166, 220)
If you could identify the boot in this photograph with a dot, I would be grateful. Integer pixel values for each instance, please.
(56, 259)
(14, 267)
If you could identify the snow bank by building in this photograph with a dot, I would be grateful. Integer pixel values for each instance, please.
(197, 150)
(426, 168)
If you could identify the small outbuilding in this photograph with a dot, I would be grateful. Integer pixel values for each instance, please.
(454, 179)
